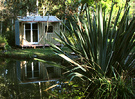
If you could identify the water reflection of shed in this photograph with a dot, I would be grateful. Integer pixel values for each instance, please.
(34, 70)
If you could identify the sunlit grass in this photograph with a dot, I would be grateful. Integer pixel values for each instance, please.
(29, 52)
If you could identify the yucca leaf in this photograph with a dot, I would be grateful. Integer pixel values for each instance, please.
(55, 47)
(110, 18)
(58, 40)
(71, 61)
(76, 74)
(50, 63)
(73, 48)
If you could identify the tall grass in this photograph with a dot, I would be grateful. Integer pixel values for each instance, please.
(104, 49)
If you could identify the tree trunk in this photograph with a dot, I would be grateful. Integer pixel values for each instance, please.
(12, 25)
(37, 7)
(1, 28)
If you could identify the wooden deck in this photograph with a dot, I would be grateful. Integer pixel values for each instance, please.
(37, 46)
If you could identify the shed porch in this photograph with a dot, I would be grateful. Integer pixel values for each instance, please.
(37, 45)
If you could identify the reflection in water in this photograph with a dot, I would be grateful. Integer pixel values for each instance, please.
(26, 79)
(34, 70)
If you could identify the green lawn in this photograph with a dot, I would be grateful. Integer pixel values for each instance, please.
(28, 53)
(38, 51)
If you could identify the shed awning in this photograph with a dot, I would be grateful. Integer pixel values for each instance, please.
(38, 19)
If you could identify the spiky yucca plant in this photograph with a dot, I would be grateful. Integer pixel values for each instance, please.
(104, 49)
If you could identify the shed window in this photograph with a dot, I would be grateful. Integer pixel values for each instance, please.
(50, 70)
(32, 70)
(49, 29)
(31, 32)
(27, 26)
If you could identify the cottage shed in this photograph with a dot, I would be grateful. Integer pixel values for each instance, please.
(35, 30)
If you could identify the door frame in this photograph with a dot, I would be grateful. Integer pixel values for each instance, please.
(31, 32)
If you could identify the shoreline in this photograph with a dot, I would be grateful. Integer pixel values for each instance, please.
(30, 54)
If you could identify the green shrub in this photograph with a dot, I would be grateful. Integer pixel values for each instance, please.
(104, 51)
(2, 39)
(111, 88)
(10, 36)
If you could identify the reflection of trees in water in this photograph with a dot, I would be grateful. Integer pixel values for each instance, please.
(23, 91)
(8, 83)
(10, 87)
(15, 90)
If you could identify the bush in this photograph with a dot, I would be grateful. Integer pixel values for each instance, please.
(111, 88)
(4, 40)
(104, 50)
(10, 36)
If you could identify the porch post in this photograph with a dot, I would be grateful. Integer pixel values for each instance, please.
(31, 34)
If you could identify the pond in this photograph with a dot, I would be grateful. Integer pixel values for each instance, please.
(23, 79)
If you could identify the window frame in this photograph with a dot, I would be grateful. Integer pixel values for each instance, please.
(31, 32)
(32, 71)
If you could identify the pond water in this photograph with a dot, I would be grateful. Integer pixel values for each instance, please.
(26, 79)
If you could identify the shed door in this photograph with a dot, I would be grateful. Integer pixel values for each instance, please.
(31, 33)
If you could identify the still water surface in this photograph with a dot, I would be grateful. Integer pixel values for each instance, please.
(26, 79)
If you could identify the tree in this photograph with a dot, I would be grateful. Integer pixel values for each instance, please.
(12, 9)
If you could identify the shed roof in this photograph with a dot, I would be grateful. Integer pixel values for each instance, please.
(38, 19)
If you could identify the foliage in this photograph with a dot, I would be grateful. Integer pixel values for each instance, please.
(114, 88)
(103, 47)
(10, 36)
(106, 5)
(65, 90)
(19, 7)
(2, 39)
(9, 12)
